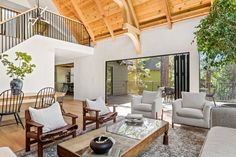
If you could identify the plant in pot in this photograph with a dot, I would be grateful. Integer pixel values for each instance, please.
(18, 69)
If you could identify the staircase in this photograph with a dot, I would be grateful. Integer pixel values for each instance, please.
(16, 28)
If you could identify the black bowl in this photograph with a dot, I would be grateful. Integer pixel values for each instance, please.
(102, 146)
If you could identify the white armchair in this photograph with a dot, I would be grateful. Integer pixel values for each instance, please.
(149, 104)
(192, 110)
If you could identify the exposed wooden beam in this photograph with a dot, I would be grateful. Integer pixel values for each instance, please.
(82, 17)
(135, 39)
(129, 24)
(130, 4)
(168, 14)
(125, 10)
(106, 21)
(131, 28)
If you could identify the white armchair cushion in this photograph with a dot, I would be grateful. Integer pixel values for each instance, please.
(193, 100)
(190, 113)
(98, 104)
(51, 117)
(143, 107)
(149, 97)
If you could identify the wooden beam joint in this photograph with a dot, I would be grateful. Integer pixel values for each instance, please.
(130, 23)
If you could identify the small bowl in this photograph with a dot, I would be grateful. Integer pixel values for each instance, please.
(101, 145)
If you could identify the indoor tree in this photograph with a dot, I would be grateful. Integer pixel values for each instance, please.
(216, 38)
(216, 34)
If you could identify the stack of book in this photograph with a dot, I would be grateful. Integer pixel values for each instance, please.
(134, 119)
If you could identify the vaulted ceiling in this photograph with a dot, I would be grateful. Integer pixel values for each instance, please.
(109, 18)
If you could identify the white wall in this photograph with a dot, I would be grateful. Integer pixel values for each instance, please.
(90, 71)
(44, 51)
(43, 74)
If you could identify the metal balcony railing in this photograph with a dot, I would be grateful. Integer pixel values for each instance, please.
(6, 13)
(19, 28)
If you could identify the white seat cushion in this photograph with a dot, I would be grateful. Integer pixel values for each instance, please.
(193, 100)
(149, 97)
(6, 152)
(51, 117)
(143, 107)
(220, 142)
(190, 113)
(98, 104)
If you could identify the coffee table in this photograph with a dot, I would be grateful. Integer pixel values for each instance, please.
(130, 139)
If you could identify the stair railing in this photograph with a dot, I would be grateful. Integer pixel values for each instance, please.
(19, 28)
(6, 13)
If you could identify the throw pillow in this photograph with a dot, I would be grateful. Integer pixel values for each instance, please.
(149, 97)
(98, 104)
(51, 117)
(193, 100)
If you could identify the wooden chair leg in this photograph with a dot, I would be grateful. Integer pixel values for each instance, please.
(40, 149)
(114, 120)
(20, 120)
(97, 124)
(84, 125)
(16, 119)
(74, 134)
(162, 114)
(173, 125)
(27, 144)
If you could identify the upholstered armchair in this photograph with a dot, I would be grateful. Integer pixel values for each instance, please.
(149, 104)
(192, 110)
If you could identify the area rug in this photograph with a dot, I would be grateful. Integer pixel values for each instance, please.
(183, 142)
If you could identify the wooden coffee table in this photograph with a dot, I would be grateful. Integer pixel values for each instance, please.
(130, 139)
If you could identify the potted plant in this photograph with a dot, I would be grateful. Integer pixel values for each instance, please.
(17, 69)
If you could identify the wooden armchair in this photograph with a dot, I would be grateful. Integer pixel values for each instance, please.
(36, 135)
(98, 119)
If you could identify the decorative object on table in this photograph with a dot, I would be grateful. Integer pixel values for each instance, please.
(18, 69)
(134, 119)
(101, 144)
(113, 152)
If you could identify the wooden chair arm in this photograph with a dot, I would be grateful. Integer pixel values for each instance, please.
(89, 109)
(70, 115)
(112, 105)
(35, 124)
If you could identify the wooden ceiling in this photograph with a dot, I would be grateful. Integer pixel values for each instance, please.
(109, 18)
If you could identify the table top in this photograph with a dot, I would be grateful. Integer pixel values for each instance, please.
(126, 136)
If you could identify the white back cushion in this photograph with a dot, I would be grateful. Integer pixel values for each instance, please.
(98, 104)
(149, 97)
(193, 100)
(51, 117)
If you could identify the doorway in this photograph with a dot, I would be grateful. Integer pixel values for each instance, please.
(127, 77)
(64, 79)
